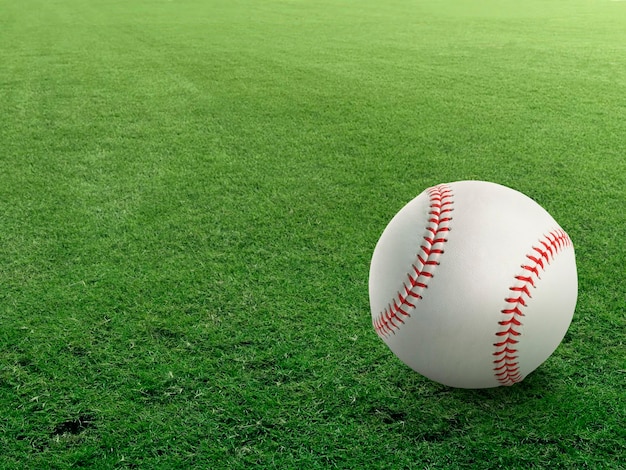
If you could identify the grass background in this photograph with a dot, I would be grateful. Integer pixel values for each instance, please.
(190, 193)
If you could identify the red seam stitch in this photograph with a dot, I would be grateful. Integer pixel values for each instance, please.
(506, 368)
(441, 200)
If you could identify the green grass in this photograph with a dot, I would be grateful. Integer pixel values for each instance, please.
(190, 194)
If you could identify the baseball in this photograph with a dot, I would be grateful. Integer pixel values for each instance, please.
(473, 284)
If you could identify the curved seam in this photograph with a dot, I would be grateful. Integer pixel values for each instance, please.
(506, 363)
(390, 320)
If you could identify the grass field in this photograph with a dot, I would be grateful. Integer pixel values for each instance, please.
(190, 194)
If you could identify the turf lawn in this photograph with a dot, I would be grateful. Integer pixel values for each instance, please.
(190, 194)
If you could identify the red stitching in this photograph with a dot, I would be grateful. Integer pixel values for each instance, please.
(506, 365)
(392, 317)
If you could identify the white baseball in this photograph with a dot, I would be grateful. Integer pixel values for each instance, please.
(473, 284)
